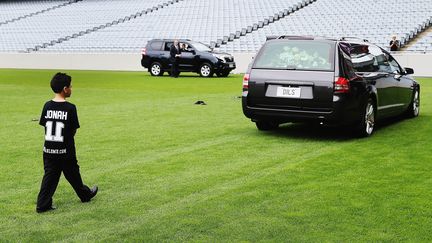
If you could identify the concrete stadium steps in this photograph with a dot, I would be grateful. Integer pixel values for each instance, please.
(422, 42)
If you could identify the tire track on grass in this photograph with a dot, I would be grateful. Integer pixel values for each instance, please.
(211, 193)
(147, 157)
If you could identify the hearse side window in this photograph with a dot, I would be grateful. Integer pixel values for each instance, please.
(394, 65)
(366, 58)
(296, 55)
(156, 45)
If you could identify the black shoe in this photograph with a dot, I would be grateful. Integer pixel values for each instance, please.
(43, 210)
(93, 193)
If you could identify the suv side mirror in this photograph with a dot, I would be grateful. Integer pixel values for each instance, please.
(191, 50)
(409, 70)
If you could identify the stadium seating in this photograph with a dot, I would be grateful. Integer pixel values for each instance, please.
(201, 20)
(374, 20)
(422, 44)
(229, 25)
(16, 10)
(70, 21)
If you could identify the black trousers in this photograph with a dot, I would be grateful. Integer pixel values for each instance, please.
(53, 169)
(174, 68)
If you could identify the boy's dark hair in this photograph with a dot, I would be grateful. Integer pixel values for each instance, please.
(59, 81)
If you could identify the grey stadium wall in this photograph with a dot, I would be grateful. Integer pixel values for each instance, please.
(420, 62)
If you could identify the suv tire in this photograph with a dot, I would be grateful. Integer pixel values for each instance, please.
(266, 125)
(156, 69)
(206, 70)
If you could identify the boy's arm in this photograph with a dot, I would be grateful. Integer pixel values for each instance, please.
(42, 119)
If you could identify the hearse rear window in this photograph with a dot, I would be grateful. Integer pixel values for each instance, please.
(297, 55)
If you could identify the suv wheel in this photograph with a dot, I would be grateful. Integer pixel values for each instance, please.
(206, 70)
(266, 125)
(414, 107)
(156, 69)
(367, 123)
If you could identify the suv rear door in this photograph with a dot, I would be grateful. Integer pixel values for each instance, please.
(293, 75)
(165, 55)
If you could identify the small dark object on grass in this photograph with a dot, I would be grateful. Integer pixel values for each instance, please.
(34, 119)
(200, 102)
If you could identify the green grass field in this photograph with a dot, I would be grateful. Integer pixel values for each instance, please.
(169, 170)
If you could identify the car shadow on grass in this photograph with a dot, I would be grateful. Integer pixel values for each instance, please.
(319, 132)
(194, 75)
(311, 131)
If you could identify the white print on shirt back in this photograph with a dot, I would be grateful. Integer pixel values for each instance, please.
(57, 137)
(58, 115)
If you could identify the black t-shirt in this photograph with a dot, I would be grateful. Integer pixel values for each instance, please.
(394, 47)
(60, 120)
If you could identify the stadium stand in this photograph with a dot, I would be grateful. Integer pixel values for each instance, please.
(374, 20)
(15, 10)
(423, 43)
(201, 20)
(230, 25)
(69, 22)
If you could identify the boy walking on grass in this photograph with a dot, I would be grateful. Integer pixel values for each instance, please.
(60, 120)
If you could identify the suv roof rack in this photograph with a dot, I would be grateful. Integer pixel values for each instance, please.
(353, 38)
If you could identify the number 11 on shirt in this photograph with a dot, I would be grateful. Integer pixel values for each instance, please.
(57, 137)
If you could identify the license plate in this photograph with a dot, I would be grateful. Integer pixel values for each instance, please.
(231, 65)
(288, 92)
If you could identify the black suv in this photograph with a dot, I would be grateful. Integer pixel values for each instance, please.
(196, 57)
(344, 81)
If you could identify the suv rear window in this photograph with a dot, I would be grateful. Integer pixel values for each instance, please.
(297, 54)
(156, 45)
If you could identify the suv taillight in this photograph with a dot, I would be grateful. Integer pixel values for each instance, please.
(144, 51)
(246, 81)
(341, 85)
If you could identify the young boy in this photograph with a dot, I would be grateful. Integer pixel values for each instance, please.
(60, 120)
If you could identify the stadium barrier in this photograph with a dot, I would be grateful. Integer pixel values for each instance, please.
(131, 62)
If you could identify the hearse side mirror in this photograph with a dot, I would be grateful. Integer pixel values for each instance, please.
(397, 75)
(409, 71)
